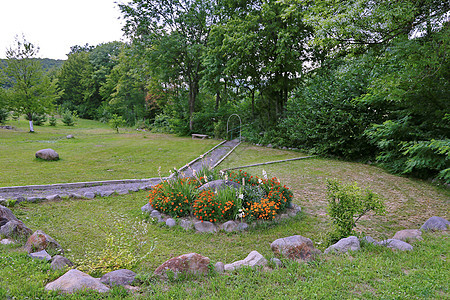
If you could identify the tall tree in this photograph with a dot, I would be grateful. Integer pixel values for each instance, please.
(32, 91)
(174, 34)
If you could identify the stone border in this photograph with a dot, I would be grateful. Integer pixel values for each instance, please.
(188, 223)
(270, 162)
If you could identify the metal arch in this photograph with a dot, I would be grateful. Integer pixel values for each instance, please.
(240, 125)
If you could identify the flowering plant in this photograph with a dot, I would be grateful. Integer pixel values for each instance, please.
(257, 198)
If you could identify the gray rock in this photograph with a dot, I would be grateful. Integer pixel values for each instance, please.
(294, 209)
(396, 244)
(345, 244)
(370, 240)
(242, 226)
(60, 262)
(254, 259)
(53, 197)
(187, 225)
(75, 196)
(229, 226)
(39, 240)
(106, 193)
(35, 199)
(219, 267)
(75, 280)
(155, 214)
(89, 195)
(147, 208)
(133, 189)
(269, 146)
(171, 222)
(218, 185)
(191, 263)
(408, 235)
(295, 247)
(119, 277)
(6, 213)
(435, 223)
(47, 154)
(15, 230)
(277, 262)
(42, 255)
(69, 136)
(6, 242)
(122, 192)
(205, 226)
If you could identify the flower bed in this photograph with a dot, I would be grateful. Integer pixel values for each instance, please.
(250, 198)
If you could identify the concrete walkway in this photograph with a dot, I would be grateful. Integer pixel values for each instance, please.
(105, 188)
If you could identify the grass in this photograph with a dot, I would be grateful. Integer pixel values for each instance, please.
(96, 153)
(372, 273)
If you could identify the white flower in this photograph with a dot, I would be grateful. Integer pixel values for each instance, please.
(264, 174)
(241, 196)
(259, 181)
(226, 178)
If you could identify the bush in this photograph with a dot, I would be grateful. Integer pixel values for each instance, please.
(347, 204)
(52, 121)
(4, 114)
(38, 119)
(68, 117)
(116, 121)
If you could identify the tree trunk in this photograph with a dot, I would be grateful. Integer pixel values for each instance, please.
(30, 118)
(193, 91)
(217, 101)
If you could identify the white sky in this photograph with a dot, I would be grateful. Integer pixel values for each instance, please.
(56, 25)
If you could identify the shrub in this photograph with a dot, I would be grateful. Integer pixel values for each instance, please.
(68, 117)
(4, 114)
(38, 119)
(52, 121)
(210, 207)
(347, 204)
(116, 121)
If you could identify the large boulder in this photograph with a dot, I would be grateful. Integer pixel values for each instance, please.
(408, 235)
(191, 263)
(435, 223)
(252, 260)
(47, 154)
(396, 244)
(39, 240)
(6, 215)
(295, 247)
(75, 280)
(118, 277)
(345, 244)
(15, 230)
(219, 184)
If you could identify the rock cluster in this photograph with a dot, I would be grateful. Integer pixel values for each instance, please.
(295, 247)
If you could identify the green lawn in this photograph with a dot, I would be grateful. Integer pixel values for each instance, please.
(373, 273)
(96, 153)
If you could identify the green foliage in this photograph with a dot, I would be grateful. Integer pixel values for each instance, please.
(32, 91)
(347, 204)
(38, 119)
(116, 122)
(69, 117)
(125, 240)
(52, 121)
(4, 114)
